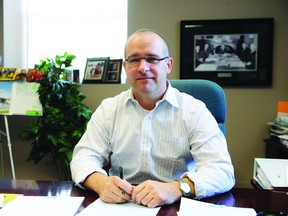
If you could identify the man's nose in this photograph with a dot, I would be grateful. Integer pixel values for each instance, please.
(143, 66)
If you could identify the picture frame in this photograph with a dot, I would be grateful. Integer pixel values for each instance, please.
(8, 74)
(22, 74)
(34, 75)
(114, 70)
(235, 52)
(95, 70)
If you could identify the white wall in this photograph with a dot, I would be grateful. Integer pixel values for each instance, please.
(15, 50)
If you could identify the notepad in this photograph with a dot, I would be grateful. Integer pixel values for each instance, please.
(42, 205)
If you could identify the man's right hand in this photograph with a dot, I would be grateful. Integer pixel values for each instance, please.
(109, 188)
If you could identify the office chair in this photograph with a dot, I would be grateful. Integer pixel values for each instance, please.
(210, 93)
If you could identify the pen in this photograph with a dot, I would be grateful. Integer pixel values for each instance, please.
(121, 176)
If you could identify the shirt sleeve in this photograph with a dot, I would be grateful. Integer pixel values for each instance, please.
(93, 150)
(214, 172)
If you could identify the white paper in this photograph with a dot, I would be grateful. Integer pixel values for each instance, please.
(42, 205)
(1, 200)
(189, 207)
(99, 207)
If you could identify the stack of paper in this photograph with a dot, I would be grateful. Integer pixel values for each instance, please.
(279, 126)
(192, 207)
(42, 205)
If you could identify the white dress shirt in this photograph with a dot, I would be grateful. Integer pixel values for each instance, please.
(178, 138)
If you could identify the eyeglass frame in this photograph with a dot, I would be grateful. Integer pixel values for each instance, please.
(138, 59)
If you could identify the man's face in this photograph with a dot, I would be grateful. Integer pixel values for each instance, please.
(147, 78)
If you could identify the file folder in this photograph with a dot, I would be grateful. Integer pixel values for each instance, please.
(271, 174)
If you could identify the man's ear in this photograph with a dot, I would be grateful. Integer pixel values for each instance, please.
(170, 63)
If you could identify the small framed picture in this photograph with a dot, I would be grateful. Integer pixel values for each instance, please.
(22, 74)
(34, 75)
(8, 73)
(95, 70)
(113, 74)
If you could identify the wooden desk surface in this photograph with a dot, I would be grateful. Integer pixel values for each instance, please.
(241, 197)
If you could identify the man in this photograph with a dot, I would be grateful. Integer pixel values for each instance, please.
(154, 133)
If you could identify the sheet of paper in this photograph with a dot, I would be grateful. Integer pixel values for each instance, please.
(1, 200)
(127, 209)
(189, 206)
(42, 205)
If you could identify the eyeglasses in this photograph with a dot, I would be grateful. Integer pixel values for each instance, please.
(135, 61)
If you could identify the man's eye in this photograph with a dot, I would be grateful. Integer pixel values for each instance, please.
(134, 60)
(151, 60)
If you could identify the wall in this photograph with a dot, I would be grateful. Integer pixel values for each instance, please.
(248, 109)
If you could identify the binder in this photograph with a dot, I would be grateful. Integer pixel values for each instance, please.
(271, 174)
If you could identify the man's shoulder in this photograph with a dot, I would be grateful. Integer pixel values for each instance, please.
(117, 99)
(186, 100)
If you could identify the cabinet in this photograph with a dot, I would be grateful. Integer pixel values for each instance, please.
(275, 149)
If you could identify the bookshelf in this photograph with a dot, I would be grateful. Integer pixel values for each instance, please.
(274, 149)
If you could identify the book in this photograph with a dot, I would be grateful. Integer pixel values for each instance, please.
(271, 174)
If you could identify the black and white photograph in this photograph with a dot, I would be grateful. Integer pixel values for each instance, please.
(230, 52)
(227, 52)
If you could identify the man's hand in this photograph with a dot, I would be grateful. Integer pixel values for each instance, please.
(153, 193)
(109, 188)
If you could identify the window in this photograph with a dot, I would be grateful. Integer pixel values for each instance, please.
(86, 28)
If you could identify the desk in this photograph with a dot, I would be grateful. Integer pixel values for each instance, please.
(222, 62)
(240, 197)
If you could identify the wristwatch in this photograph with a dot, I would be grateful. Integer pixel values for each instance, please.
(184, 187)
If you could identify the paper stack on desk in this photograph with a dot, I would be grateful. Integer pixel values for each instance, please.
(190, 207)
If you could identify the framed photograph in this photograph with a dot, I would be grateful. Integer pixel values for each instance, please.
(113, 74)
(8, 73)
(22, 74)
(235, 52)
(76, 75)
(95, 70)
(34, 75)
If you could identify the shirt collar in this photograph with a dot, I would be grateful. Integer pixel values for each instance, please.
(169, 96)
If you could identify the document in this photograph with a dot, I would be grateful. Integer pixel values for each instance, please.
(127, 209)
(42, 205)
(189, 207)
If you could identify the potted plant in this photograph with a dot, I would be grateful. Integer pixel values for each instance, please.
(55, 133)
